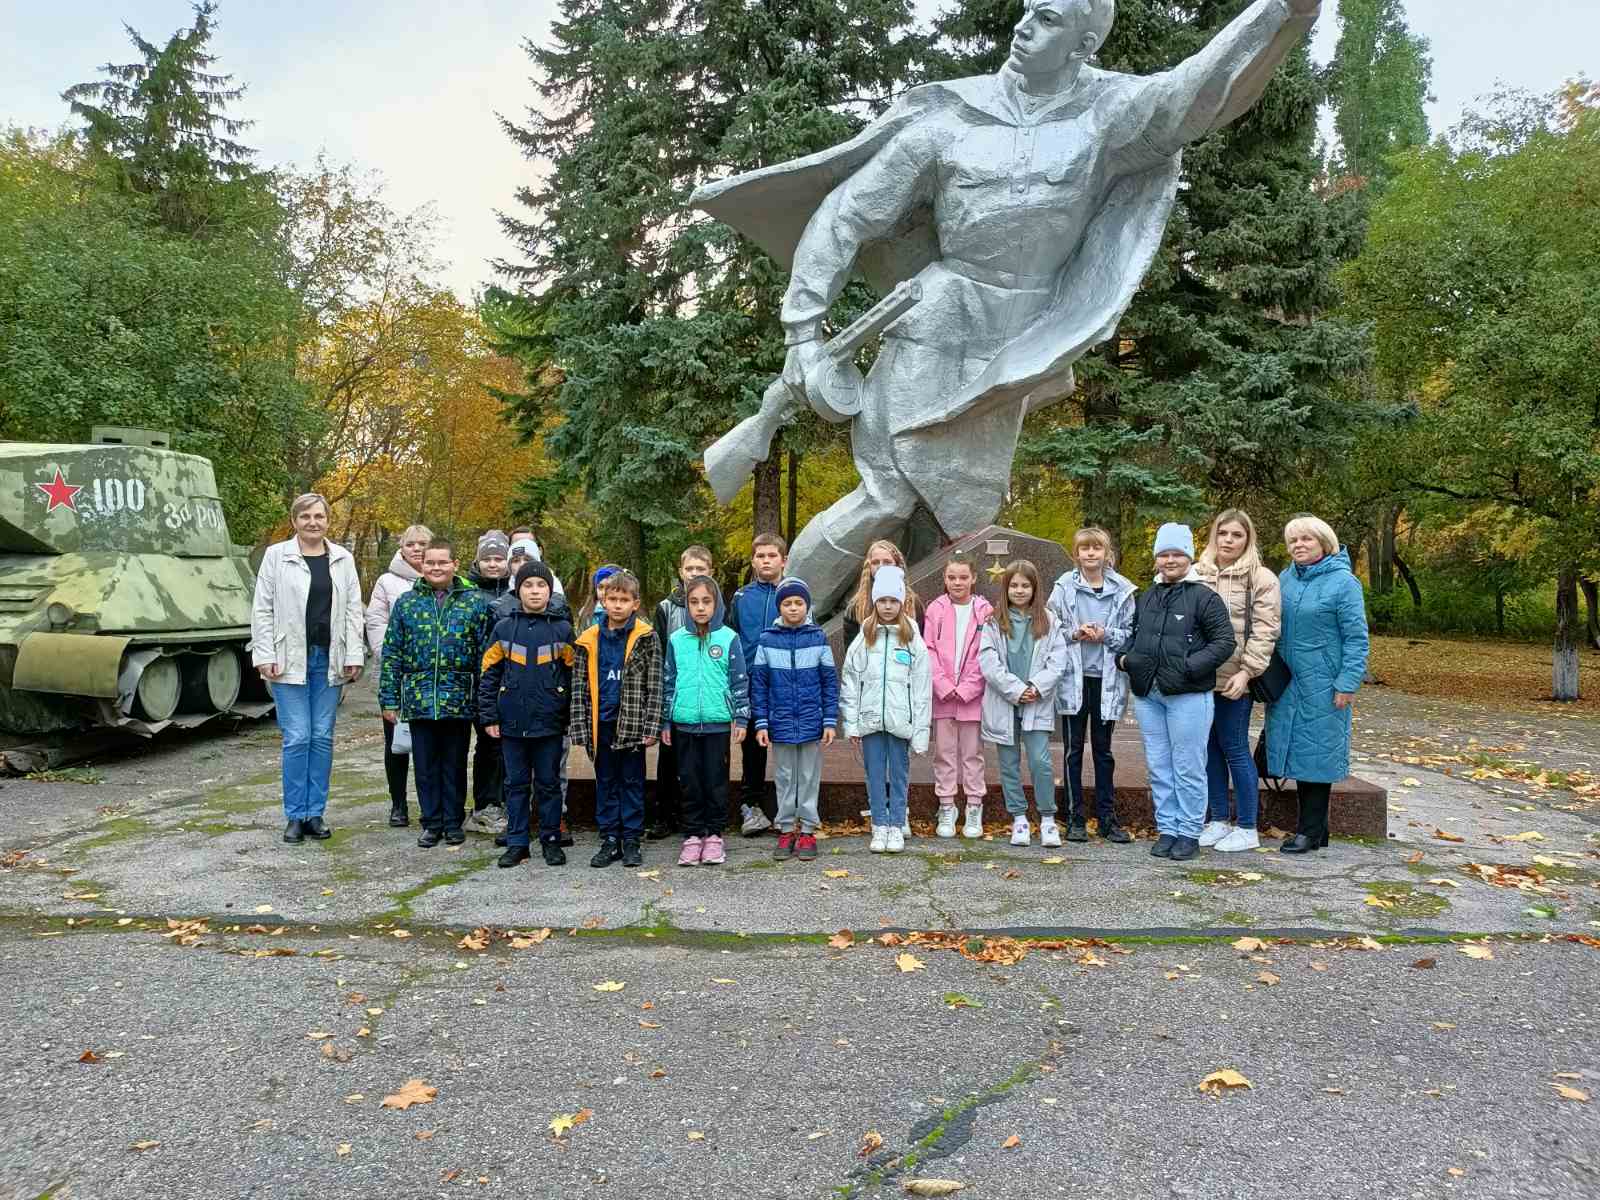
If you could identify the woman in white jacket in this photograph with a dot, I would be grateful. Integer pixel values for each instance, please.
(306, 641)
(886, 704)
(405, 568)
(1022, 654)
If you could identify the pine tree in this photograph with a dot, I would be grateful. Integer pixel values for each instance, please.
(1222, 381)
(163, 122)
(644, 330)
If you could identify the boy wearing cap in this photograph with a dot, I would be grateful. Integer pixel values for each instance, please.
(524, 549)
(794, 708)
(1181, 634)
(524, 698)
(488, 575)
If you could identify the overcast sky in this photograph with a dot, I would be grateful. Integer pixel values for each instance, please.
(411, 87)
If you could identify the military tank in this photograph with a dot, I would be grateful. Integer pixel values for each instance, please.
(123, 603)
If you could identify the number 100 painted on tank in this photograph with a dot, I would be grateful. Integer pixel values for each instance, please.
(108, 496)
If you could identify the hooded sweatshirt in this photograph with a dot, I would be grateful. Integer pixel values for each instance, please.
(705, 684)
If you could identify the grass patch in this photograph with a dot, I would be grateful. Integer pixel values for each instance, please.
(117, 829)
(403, 898)
(1403, 900)
(1222, 878)
(66, 775)
(1236, 917)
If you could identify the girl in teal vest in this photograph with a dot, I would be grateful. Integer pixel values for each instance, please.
(705, 708)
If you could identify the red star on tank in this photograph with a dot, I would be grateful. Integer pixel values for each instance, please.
(59, 492)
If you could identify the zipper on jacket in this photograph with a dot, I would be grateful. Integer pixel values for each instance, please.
(883, 690)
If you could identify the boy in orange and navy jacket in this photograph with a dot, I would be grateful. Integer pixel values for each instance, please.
(616, 714)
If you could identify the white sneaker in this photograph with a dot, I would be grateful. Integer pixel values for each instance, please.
(1021, 835)
(880, 839)
(1214, 832)
(1239, 838)
(755, 821)
(974, 826)
(896, 841)
(947, 821)
(1049, 832)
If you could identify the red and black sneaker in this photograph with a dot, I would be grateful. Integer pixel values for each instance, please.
(786, 845)
(805, 847)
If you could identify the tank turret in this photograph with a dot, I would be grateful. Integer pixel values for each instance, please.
(122, 598)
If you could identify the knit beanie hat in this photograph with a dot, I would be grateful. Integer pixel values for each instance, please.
(493, 542)
(534, 569)
(526, 546)
(792, 586)
(1172, 536)
(889, 583)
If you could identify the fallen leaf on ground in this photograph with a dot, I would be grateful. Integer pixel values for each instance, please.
(316, 1035)
(649, 1025)
(1455, 1171)
(871, 1141)
(1444, 835)
(842, 940)
(1442, 1026)
(1219, 1082)
(958, 1000)
(1571, 1093)
(141, 1147)
(1319, 966)
(342, 1149)
(423, 1135)
(1414, 857)
(610, 985)
(1012, 874)
(336, 1053)
(1480, 952)
(696, 1136)
(1442, 882)
(724, 981)
(1368, 943)
(1334, 1091)
(932, 1187)
(400, 933)
(838, 873)
(909, 962)
(1011, 1143)
(1247, 944)
(1378, 902)
(652, 873)
(88, 1056)
(821, 1133)
(1410, 781)
(263, 908)
(415, 1091)
(1426, 964)
(478, 939)
(562, 1122)
(1268, 978)
(1531, 835)
(1055, 860)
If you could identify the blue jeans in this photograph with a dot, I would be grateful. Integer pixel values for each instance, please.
(1229, 754)
(533, 764)
(888, 762)
(1036, 742)
(305, 715)
(618, 788)
(1175, 730)
(439, 751)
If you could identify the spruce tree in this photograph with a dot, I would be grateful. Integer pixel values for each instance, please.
(644, 329)
(1222, 381)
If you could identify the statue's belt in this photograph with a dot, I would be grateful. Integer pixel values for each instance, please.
(994, 278)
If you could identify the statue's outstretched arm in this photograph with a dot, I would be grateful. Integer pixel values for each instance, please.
(865, 207)
(1223, 81)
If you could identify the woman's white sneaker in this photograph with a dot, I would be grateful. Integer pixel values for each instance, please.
(974, 826)
(1239, 839)
(1021, 835)
(1214, 832)
(896, 841)
(1049, 832)
(880, 839)
(947, 821)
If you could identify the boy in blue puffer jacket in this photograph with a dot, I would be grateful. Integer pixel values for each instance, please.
(794, 701)
(705, 691)
(524, 700)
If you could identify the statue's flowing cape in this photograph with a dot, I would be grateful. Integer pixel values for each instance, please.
(773, 205)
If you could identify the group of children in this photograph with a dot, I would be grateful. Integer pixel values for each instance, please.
(758, 673)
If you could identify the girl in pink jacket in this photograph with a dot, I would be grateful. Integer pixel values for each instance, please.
(951, 630)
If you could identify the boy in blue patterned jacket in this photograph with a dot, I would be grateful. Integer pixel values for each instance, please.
(794, 703)
(432, 651)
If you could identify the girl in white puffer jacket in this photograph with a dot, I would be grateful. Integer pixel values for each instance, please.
(886, 704)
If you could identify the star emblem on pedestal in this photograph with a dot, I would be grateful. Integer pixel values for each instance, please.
(995, 569)
(60, 493)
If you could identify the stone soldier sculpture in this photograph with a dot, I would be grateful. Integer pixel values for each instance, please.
(1026, 206)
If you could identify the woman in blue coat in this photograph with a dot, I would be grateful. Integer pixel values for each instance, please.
(1324, 642)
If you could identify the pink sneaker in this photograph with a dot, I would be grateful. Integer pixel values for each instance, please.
(712, 853)
(693, 849)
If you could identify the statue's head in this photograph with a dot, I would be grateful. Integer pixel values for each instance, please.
(1053, 33)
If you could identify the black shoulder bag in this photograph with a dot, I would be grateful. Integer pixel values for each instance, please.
(1269, 686)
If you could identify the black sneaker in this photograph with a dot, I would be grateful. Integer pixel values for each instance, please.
(554, 855)
(1163, 846)
(398, 817)
(294, 832)
(500, 840)
(659, 831)
(1077, 831)
(610, 851)
(631, 856)
(315, 828)
(1184, 848)
(513, 856)
(429, 839)
(454, 837)
(1116, 833)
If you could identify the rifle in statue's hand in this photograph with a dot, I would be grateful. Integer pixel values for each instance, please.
(833, 389)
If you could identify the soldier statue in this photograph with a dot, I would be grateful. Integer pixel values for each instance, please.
(1021, 210)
